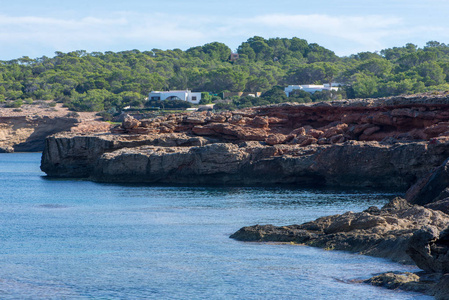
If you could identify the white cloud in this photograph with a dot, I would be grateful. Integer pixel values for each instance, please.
(122, 31)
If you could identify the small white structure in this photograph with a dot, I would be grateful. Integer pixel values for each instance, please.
(310, 88)
(185, 95)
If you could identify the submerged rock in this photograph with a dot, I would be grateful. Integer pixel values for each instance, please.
(405, 281)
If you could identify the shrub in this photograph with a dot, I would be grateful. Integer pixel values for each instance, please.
(14, 104)
(105, 116)
(72, 114)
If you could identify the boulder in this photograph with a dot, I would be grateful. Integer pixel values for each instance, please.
(130, 123)
(432, 187)
(429, 249)
(274, 139)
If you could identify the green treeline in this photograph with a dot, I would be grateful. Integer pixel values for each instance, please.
(110, 81)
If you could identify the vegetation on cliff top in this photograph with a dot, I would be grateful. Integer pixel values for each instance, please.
(110, 81)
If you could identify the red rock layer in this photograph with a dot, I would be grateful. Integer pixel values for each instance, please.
(307, 125)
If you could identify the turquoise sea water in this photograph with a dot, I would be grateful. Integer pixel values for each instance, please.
(72, 239)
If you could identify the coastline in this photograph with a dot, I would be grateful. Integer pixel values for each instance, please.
(388, 143)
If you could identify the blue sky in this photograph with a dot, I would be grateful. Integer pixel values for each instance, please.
(36, 28)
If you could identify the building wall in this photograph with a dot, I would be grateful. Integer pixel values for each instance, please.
(182, 95)
(195, 98)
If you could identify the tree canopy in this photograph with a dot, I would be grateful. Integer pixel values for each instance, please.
(112, 80)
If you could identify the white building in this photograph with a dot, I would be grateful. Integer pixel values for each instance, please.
(310, 88)
(185, 95)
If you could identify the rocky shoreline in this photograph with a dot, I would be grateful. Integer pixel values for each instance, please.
(400, 143)
(399, 231)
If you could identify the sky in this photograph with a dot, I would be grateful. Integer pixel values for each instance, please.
(40, 28)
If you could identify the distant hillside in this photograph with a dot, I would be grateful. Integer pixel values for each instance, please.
(110, 81)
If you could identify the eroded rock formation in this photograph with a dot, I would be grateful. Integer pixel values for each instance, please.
(399, 119)
(377, 143)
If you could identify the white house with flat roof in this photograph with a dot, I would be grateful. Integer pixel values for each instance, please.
(184, 95)
(310, 88)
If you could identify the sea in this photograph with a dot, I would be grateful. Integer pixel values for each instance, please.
(75, 239)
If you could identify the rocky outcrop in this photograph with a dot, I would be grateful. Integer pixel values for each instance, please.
(399, 231)
(385, 232)
(402, 119)
(433, 284)
(405, 281)
(429, 249)
(338, 144)
(432, 187)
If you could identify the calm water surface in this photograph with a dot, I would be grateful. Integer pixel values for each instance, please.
(72, 239)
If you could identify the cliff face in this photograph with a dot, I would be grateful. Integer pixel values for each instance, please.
(348, 164)
(25, 129)
(384, 143)
(76, 155)
(27, 134)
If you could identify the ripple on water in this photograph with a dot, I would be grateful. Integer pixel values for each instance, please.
(63, 239)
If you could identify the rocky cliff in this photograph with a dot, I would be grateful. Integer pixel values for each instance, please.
(384, 143)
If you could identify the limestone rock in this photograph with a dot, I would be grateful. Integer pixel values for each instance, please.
(429, 249)
(342, 164)
(406, 281)
(25, 133)
(343, 143)
(387, 232)
(181, 164)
